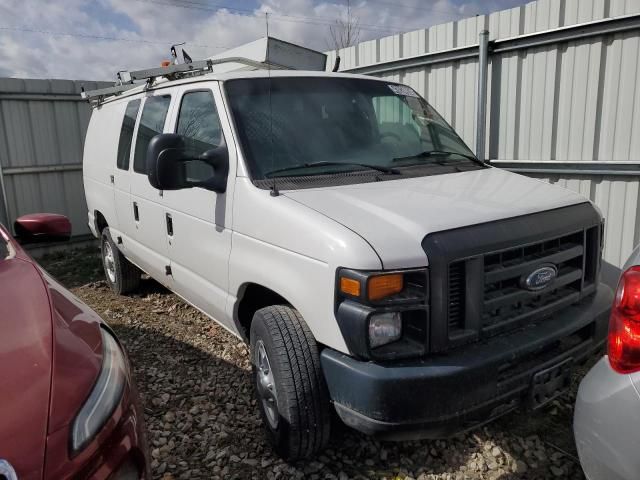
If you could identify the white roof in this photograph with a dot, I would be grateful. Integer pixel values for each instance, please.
(286, 59)
(272, 51)
(208, 77)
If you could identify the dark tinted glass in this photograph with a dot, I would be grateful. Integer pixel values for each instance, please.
(198, 122)
(126, 134)
(152, 120)
(287, 122)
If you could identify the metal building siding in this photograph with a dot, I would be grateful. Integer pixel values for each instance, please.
(575, 101)
(618, 198)
(43, 124)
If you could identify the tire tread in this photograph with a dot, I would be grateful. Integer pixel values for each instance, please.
(301, 383)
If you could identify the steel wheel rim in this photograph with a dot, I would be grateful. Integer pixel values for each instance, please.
(109, 262)
(266, 385)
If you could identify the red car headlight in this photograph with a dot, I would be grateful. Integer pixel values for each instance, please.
(105, 396)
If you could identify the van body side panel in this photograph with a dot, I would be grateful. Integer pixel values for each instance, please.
(99, 162)
(200, 245)
(294, 251)
(147, 245)
(122, 190)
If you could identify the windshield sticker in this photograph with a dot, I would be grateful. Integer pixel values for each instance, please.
(403, 90)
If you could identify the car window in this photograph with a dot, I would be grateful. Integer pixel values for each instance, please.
(152, 120)
(399, 130)
(199, 124)
(290, 122)
(126, 134)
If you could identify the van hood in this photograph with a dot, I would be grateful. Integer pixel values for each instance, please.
(394, 216)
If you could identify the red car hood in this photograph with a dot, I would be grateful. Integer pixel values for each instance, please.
(51, 353)
(26, 345)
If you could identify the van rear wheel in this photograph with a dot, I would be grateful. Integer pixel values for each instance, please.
(122, 275)
(291, 391)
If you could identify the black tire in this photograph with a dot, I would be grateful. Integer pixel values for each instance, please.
(122, 276)
(303, 407)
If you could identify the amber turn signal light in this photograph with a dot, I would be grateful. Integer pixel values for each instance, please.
(382, 286)
(350, 286)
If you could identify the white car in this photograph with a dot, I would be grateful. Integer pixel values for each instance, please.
(607, 414)
(342, 227)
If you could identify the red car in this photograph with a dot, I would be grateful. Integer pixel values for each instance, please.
(68, 406)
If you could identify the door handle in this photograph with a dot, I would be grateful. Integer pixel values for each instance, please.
(112, 178)
(136, 214)
(169, 225)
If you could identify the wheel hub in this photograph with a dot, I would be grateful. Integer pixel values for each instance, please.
(266, 385)
(109, 262)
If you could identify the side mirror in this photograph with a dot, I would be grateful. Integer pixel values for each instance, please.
(169, 166)
(42, 227)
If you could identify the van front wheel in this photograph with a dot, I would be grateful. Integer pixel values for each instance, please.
(291, 391)
(122, 275)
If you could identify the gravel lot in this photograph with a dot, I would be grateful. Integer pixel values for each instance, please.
(203, 422)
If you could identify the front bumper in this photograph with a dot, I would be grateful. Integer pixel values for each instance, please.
(606, 424)
(447, 393)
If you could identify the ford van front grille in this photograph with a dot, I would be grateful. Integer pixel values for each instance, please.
(507, 302)
(494, 277)
(456, 295)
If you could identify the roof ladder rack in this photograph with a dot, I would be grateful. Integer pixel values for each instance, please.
(171, 72)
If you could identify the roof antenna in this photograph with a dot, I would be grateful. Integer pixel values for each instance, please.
(336, 64)
(274, 186)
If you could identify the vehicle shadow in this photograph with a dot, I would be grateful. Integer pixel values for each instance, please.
(203, 422)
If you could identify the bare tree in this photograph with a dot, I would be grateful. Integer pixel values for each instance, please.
(345, 31)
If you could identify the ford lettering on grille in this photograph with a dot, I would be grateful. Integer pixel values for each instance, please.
(540, 278)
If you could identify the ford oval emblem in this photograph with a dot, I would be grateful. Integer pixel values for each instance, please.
(540, 278)
(7, 471)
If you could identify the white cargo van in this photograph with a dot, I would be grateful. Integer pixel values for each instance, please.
(342, 227)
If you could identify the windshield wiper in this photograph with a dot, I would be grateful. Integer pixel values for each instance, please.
(436, 153)
(327, 163)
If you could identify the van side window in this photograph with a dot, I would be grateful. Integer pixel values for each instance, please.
(126, 134)
(198, 122)
(152, 120)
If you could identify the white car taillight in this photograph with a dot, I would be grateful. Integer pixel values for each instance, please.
(624, 326)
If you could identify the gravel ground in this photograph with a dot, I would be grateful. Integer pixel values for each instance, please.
(203, 422)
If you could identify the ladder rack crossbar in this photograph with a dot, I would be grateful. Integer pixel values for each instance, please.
(173, 72)
(108, 91)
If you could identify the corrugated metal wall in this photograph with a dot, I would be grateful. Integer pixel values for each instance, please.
(573, 102)
(42, 129)
(576, 101)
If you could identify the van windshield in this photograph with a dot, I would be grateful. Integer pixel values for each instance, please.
(303, 126)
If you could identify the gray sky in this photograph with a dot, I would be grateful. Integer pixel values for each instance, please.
(92, 39)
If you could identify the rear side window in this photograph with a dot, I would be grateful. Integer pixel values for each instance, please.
(152, 120)
(126, 134)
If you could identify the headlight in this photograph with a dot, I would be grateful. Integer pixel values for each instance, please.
(383, 315)
(404, 286)
(384, 328)
(105, 396)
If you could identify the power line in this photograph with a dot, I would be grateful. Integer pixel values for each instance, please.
(412, 7)
(100, 37)
(315, 20)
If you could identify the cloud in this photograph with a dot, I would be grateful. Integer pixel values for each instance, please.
(112, 35)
